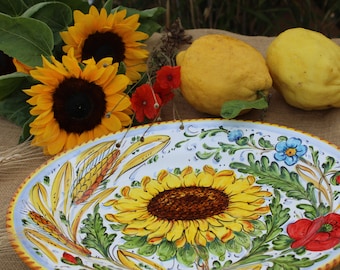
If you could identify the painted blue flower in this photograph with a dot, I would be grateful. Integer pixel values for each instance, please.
(235, 135)
(290, 151)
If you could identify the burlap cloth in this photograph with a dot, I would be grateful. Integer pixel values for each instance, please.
(17, 163)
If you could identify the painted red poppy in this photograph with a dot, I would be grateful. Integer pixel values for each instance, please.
(70, 259)
(165, 94)
(145, 103)
(316, 235)
(169, 77)
(337, 179)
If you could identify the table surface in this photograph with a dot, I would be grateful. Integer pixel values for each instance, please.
(17, 162)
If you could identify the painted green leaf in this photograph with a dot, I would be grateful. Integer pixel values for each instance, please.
(133, 242)
(55, 14)
(328, 165)
(310, 211)
(290, 262)
(204, 155)
(233, 108)
(147, 250)
(202, 252)
(25, 39)
(242, 141)
(265, 143)
(282, 242)
(233, 246)
(243, 239)
(186, 255)
(96, 235)
(166, 250)
(217, 248)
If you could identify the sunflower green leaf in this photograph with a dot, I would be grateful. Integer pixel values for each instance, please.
(15, 108)
(148, 18)
(55, 14)
(11, 82)
(25, 39)
(14, 8)
(233, 108)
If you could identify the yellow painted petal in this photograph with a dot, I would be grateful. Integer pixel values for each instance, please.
(223, 234)
(190, 232)
(152, 187)
(140, 195)
(176, 231)
(158, 229)
(200, 239)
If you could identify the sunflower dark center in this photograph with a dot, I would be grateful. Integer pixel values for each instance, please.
(6, 64)
(101, 45)
(188, 203)
(78, 105)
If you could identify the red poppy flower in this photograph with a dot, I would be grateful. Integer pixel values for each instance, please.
(145, 102)
(70, 259)
(169, 77)
(165, 94)
(316, 235)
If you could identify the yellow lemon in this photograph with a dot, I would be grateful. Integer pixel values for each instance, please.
(305, 67)
(219, 68)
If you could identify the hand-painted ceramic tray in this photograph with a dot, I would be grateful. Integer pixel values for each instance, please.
(204, 194)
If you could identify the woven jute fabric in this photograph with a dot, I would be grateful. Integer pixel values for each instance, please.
(17, 162)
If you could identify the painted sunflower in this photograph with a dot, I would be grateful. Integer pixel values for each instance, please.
(190, 208)
(99, 35)
(73, 104)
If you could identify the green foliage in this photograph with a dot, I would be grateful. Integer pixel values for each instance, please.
(233, 108)
(265, 17)
(30, 29)
(147, 18)
(25, 39)
(55, 14)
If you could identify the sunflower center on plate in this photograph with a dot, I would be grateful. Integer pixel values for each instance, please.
(101, 45)
(78, 105)
(188, 203)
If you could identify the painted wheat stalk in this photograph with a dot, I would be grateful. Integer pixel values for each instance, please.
(101, 161)
(54, 231)
(93, 172)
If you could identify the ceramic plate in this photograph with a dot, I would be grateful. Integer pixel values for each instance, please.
(203, 194)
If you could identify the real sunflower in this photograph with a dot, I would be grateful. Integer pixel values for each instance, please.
(101, 35)
(73, 104)
(190, 208)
